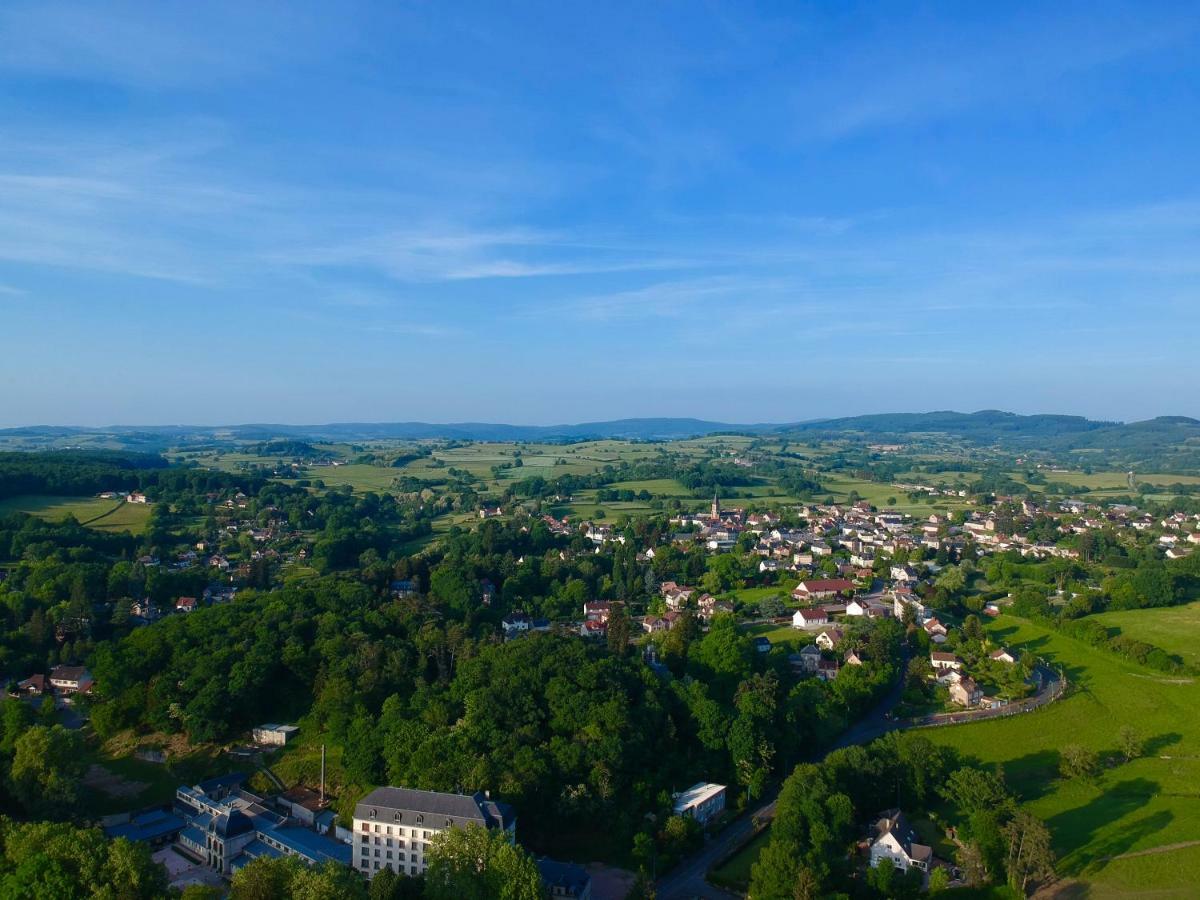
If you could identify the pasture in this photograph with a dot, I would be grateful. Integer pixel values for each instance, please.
(1173, 628)
(1117, 833)
(103, 515)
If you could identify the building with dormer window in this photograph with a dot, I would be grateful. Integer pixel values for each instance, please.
(393, 826)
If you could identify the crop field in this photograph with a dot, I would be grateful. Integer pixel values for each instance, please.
(103, 515)
(1175, 629)
(1117, 834)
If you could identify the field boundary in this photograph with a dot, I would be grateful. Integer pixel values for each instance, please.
(104, 515)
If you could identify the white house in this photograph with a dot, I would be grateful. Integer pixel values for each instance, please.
(895, 840)
(807, 618)
(70, 679)
(942, 661)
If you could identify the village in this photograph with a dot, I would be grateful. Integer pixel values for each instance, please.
(804, 590)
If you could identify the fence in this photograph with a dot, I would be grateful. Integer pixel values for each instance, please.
(1050, 693)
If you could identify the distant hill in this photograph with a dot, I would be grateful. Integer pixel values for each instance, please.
(264, 433)
(986, 426)
(1173, 440)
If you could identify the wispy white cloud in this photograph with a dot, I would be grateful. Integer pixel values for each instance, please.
(458, 254)
(876, 80)
(165, 44)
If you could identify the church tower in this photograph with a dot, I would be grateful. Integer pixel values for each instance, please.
(716, 507)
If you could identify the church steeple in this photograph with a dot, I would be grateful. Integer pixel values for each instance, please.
(716, 507)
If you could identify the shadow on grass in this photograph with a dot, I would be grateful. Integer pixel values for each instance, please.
(1032, 776)
(1084, 826)
(1156, 745)
(1102, 851)
(1070, 890)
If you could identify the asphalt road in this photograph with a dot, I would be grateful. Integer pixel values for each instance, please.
(687, 881)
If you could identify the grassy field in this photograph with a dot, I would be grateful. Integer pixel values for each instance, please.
(779, 634)
(878, 494)
(104, 515)
(735, 872)
(1174, 629)
(1145, 805)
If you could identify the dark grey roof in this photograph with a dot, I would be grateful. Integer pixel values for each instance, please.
(459, 808)
(894, 822)
(568, 876)
(233, 824)
(222, 782)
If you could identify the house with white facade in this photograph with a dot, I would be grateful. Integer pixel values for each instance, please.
(896, 840)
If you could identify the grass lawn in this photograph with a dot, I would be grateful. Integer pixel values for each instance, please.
(779, 634)
(755, 594)
(1143, 805)
(734, 873)
(109, 515)
(1174, 628)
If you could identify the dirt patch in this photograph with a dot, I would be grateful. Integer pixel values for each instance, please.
(101, 779)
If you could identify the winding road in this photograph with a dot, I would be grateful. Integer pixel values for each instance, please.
(687, 880)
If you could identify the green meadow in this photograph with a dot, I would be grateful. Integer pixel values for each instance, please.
(1174, 628)
(1117, 834)
(103, 515)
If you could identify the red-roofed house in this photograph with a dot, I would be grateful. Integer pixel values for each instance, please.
(822, 588)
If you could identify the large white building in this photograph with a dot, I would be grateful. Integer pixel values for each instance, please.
(702, 802)
(393, 826)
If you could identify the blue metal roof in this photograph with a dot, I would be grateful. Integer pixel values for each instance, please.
(257, 848)
(310, 844)
(193, 834)
(148, 826)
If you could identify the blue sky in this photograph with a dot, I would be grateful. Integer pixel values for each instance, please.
(539, 213)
